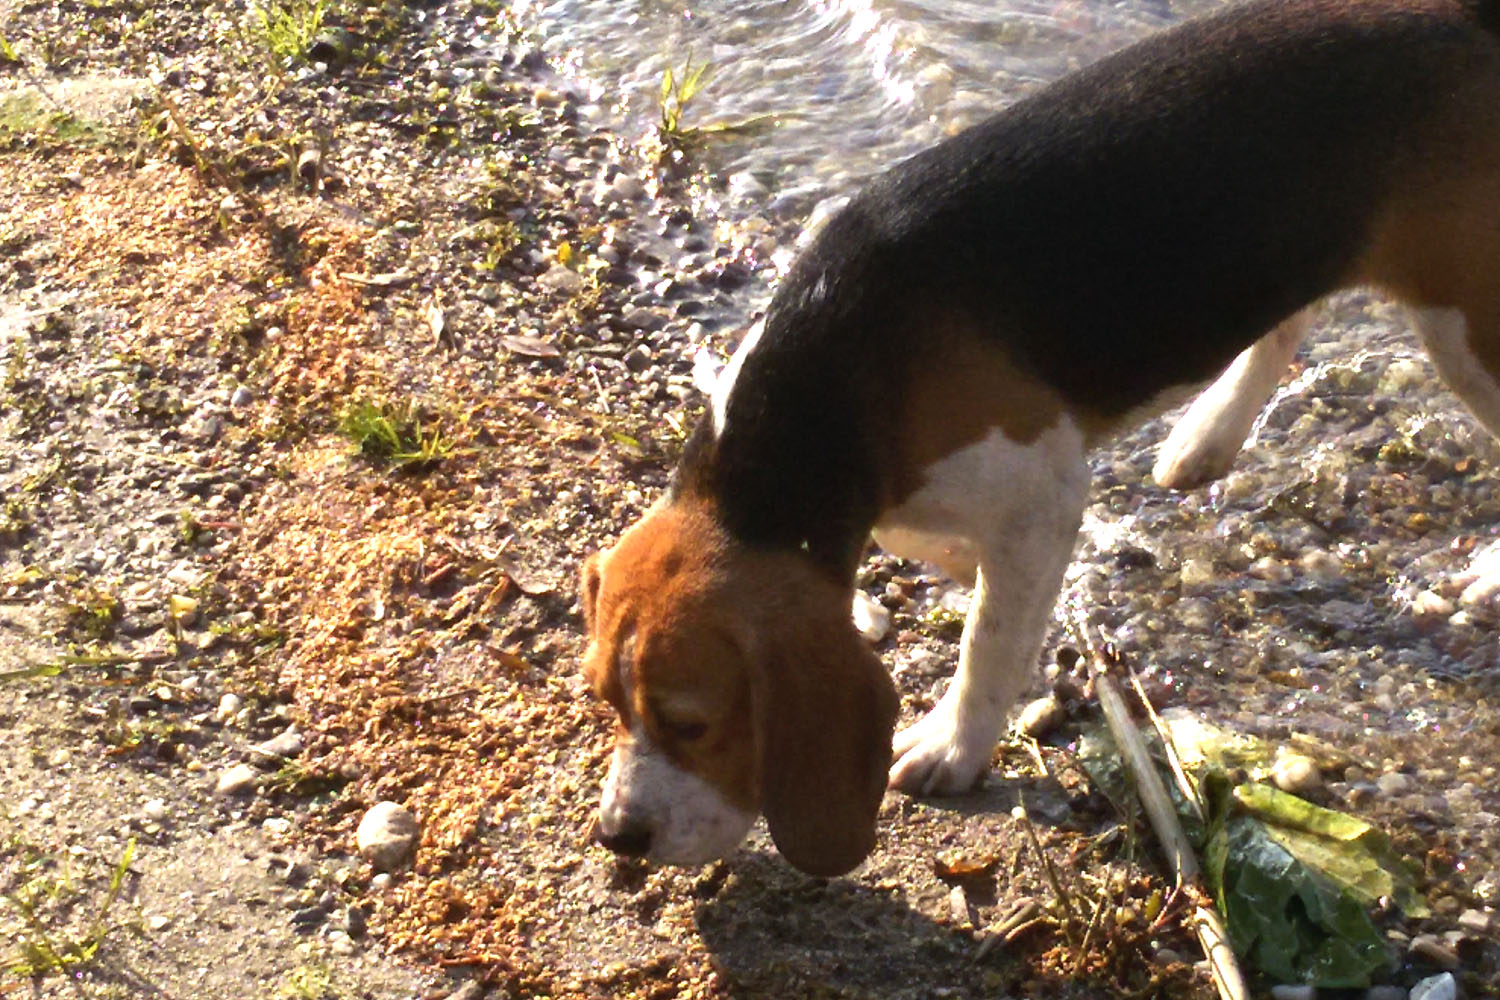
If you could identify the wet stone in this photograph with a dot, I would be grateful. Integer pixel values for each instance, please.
(1443, 987)
(1429, 949)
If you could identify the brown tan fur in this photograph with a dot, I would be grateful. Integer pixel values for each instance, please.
(774, 698)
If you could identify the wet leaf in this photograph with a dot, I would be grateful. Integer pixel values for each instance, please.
(969, 872)
(1289, 922)
(1343, 848)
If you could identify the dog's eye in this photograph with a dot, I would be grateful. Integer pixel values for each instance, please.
(683, 730)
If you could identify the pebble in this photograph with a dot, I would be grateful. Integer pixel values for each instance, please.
(1041, 716)
(238, 780)
(1295, 773)
(155, 810)
(1321, 563)
(241, 397)
(1393, 784)
(871, 618)
(627, 187)
(276, 750)
(1298, 992)
(1196, 573)
(560, 278)
(1431, 606)
(382, 882)
(157, 922)
(1430, 949)
(305, 918)
(1443, 987)
(387, 835)
(229, 707)
(1475, 922)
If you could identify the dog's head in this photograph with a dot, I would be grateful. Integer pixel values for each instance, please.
(741, 688)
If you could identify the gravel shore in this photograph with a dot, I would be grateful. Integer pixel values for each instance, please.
(226, 634)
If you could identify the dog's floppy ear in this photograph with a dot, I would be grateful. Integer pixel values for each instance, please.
(588, 589)
(824, 710)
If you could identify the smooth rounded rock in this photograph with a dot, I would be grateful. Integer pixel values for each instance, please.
(1296, 773)
(1443, 987)
(387, 836)
(238, 780)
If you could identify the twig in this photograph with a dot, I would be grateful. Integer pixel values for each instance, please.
(1057, 888)
(1174, 759)
(1209, 926)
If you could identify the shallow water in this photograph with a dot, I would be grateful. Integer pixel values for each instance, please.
(853, 84)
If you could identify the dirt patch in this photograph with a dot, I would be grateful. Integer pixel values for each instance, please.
(194, 560)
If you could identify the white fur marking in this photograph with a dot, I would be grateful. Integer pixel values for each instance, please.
(1016, 508)
(725, 384)
(1445, 333)
(690, 822)
(1206, 438)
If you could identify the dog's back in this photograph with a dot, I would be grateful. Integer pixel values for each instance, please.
(1144, 221)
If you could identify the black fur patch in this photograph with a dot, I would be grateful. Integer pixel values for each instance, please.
(1130, 228)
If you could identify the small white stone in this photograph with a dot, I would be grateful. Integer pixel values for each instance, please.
(870, 617)
(229, 706)
(387, 835)
(1295, 773)
(1443, 987)
(157, 922)
(155, 810)
(238, 780)
(382, 882)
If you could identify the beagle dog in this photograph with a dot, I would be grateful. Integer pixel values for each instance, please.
(937, 363)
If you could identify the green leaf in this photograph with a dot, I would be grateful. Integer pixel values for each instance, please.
(1283, 917)
(1344, 848)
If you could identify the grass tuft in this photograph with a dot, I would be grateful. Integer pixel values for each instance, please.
(286, 29)
(44, 899)
(394, 434)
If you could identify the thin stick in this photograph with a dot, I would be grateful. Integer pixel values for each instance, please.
(1212, 936)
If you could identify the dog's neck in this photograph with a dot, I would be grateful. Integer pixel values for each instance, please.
(804, 457)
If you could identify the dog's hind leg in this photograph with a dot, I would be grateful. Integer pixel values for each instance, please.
(1205, 440)
(1020, 505)
(1467, 356)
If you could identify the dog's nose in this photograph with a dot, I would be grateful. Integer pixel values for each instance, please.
(632, 839)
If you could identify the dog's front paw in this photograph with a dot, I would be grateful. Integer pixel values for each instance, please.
(940, 754)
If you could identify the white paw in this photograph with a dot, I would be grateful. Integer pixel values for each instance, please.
(1479, 585)
(1191, 457)
(943, 753)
